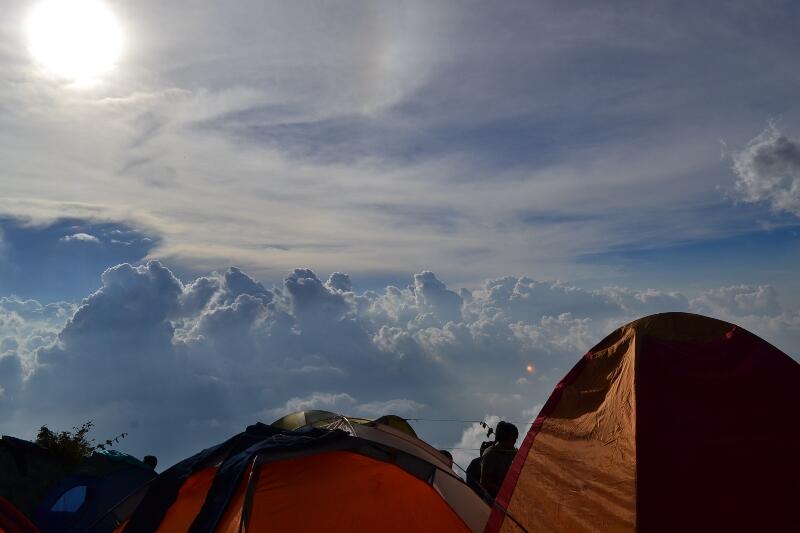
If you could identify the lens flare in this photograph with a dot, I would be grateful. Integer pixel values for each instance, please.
(530, 368)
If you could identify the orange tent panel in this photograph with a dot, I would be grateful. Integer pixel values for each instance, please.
(332, 491)
(190, 500)
(340, 491)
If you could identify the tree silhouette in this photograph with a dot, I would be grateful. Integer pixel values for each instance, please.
(71, 447)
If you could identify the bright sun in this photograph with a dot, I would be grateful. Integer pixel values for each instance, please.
(74, 40)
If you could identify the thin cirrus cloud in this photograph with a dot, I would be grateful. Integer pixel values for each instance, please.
(391, 137)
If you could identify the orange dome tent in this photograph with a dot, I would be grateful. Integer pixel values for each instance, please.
(674, 422)
(322, 473)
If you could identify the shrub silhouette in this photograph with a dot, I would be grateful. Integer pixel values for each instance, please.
(71, 447)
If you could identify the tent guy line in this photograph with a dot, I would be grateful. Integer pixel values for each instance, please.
(462, 421)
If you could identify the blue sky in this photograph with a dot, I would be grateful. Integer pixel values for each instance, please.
(562, 168)
(63, 259)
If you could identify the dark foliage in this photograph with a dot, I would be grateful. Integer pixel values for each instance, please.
(71, 447)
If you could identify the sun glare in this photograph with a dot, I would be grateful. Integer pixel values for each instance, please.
(74, 40)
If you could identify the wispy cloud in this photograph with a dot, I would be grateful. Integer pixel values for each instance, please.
(414, 134)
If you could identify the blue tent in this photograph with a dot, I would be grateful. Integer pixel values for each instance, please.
(83, 500)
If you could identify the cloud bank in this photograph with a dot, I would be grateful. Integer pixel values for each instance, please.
(180, 365)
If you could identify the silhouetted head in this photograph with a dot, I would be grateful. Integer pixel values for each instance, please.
(447, 454)
(150, 460)
(485, 445)
(506, 434)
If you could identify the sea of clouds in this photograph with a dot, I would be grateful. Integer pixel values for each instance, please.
(180, 366)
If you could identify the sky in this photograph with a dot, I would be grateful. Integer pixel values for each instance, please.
(376, 207)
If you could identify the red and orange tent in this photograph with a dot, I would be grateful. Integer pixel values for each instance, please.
(674, 422)
(331, 474)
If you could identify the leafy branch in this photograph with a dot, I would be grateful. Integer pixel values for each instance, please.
(73, 446)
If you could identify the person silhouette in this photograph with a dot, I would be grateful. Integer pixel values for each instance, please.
(496, 461)
(474, 469)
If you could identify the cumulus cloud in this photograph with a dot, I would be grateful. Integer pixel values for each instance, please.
(180, 365)
(768, 170)
(339, 282)
(343, 403)
(468, 446)
(80, 237)
(336, 402)
(533, 412)
(756, 308)
(26, 326)
(738, 300)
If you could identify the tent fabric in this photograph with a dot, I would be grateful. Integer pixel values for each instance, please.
(117, 456)
(271, 479)
(27, 471)
(672, 422)
(165, 490)
(12, 520)
(400, 440)
(396, 422)
(350, 492)
(103, 480)
(71, 500)
(330, 420)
